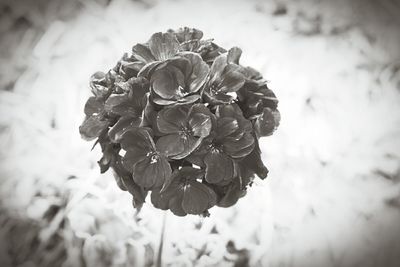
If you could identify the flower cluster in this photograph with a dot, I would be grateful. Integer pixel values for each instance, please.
(180, 117)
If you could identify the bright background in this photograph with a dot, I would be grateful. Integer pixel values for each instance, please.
(332, 197)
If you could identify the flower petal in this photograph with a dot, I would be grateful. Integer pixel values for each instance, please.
(267, 123)
(200, 124)
(232, 79)
(170, 145)
(171, 120)
(186, 34)
(190, 143)
(92, 127)
(152, 171)
(254, 162)
(234, 192)
(127, 182)
(234, 55)
(240, 148)
(219, 167)
(137, 138)
(190, 99)
(121, 126)
(197, 198)
(175, 204)
(132, 157)
(142, 53)
(226, 126)
(122, 105)
(164, 84)
(163, 45)
(199, 71)
(93, 105)
(217, 68)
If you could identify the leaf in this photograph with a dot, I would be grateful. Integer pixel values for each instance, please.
(197, 198)
(219, 167)
(92, 127)
(163, 45)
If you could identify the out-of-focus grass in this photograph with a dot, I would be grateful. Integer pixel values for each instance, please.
(325, 201)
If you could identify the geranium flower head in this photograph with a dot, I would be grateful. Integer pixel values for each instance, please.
(180, 117)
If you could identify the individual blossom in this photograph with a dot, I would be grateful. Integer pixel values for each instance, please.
(183, 129)
(184, 193)
(259, 104)
(95, 122)
(230, 140)
(129, 107)
(178, 81)
(149, 167)
(225, 78)
(160, 47)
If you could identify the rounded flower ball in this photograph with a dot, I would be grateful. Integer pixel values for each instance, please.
(179, 118)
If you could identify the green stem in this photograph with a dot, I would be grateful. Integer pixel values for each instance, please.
(160, 247)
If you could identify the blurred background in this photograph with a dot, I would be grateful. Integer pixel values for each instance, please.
(332, 197)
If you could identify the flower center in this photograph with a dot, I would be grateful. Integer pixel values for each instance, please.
(182, 92)
(186, 131)
(214, 89)
(215, 148)
(153, 157)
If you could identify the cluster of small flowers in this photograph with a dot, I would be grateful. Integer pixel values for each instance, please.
(181, 118)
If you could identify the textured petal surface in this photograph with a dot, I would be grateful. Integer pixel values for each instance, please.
(171, 120)
(200, 124)
(121, 126)
(219, 167)
(170, 145)
(199, 71)
(92, 127)
(164, 84)
(163, 45)
(152, 171)
(197, 198)
(143, 53)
